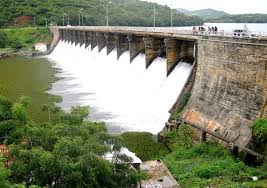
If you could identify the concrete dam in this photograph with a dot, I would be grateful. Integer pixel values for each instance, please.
(227, 80)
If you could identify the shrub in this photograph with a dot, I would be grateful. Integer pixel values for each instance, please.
(17, 45)
(206, 171)
(3, 39)
(259, 130)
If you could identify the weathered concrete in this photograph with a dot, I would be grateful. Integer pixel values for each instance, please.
(101, 41)
(173, 53)
(154, 47)
(81, 37)
(93, 40)
(111, 42)
(56, 39)
(159, 175)
(136, 46)
(87, 39)
(76, 37)
(187, 51)
(122, 44)
(230, 89)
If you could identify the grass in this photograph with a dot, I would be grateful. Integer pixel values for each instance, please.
(209, 164)
(27, 37)
(196, 165)
(21, 76)
(144, 145)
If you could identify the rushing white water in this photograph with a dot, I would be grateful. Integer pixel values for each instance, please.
(125, 95)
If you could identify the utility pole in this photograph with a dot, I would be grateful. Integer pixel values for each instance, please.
(154, 14)
(107, 12)
(171, 15)
(63, 19)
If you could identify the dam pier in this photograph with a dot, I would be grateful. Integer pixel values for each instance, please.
(228, 81)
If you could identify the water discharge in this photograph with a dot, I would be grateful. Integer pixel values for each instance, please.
(127, 96)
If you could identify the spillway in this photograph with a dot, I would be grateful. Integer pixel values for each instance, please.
(127, 96)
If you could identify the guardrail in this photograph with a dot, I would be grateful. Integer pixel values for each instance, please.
(170, 30)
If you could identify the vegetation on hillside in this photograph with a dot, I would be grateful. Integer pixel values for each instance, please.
(64, 153)
(121, 12)
(199, 164)
(18, 38)
(240, 18)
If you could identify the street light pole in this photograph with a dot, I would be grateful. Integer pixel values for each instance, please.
(171, 14)
(154, 14)
(79, 20)
(107, 13)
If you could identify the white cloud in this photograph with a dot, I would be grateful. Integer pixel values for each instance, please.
(230, 6)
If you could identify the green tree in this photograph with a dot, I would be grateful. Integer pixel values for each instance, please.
(4, 174)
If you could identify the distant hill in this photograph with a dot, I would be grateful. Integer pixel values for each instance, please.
(240, 18)
(121, 13)
(216, 16)
(208, 13)
(204, 13)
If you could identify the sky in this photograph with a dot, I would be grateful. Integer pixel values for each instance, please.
(229, 6)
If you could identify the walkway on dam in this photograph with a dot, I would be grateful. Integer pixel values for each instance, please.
(175, 32)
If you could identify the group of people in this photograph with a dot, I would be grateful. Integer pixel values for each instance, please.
(211, 30)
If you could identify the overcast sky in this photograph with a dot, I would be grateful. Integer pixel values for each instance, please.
(229, 6)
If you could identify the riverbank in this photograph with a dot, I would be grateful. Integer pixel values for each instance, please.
(20, 41)
(9, 52)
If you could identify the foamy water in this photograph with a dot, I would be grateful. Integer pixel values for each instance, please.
(127, 96)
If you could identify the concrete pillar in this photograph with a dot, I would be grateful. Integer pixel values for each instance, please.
(173, 50)
(87, 39)
(187, 51)
(93, 40)
(235, 151)
(68, 35)
(81, 37)
(110, 42)
(61, 35)
(76, 37)
(136, 46)
(154, 48)
(203, 136)
(72, 36)
(101, 41)
(122, 44)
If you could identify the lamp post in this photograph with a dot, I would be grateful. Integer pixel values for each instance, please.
(107, 13)
(63, 19)
(171, 14)
(154, 14)
(80, 12)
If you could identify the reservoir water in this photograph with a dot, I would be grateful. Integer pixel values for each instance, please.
(127, 96)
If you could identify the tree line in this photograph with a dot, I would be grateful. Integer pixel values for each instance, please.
(91, 12)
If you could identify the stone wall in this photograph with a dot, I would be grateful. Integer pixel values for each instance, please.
(230, 88)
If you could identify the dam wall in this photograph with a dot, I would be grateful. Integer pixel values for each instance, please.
(228, 83)
(230, 88)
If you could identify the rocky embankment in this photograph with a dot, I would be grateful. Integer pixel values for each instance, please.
(6, 52)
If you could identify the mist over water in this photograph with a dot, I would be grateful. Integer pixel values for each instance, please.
(127, 96)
